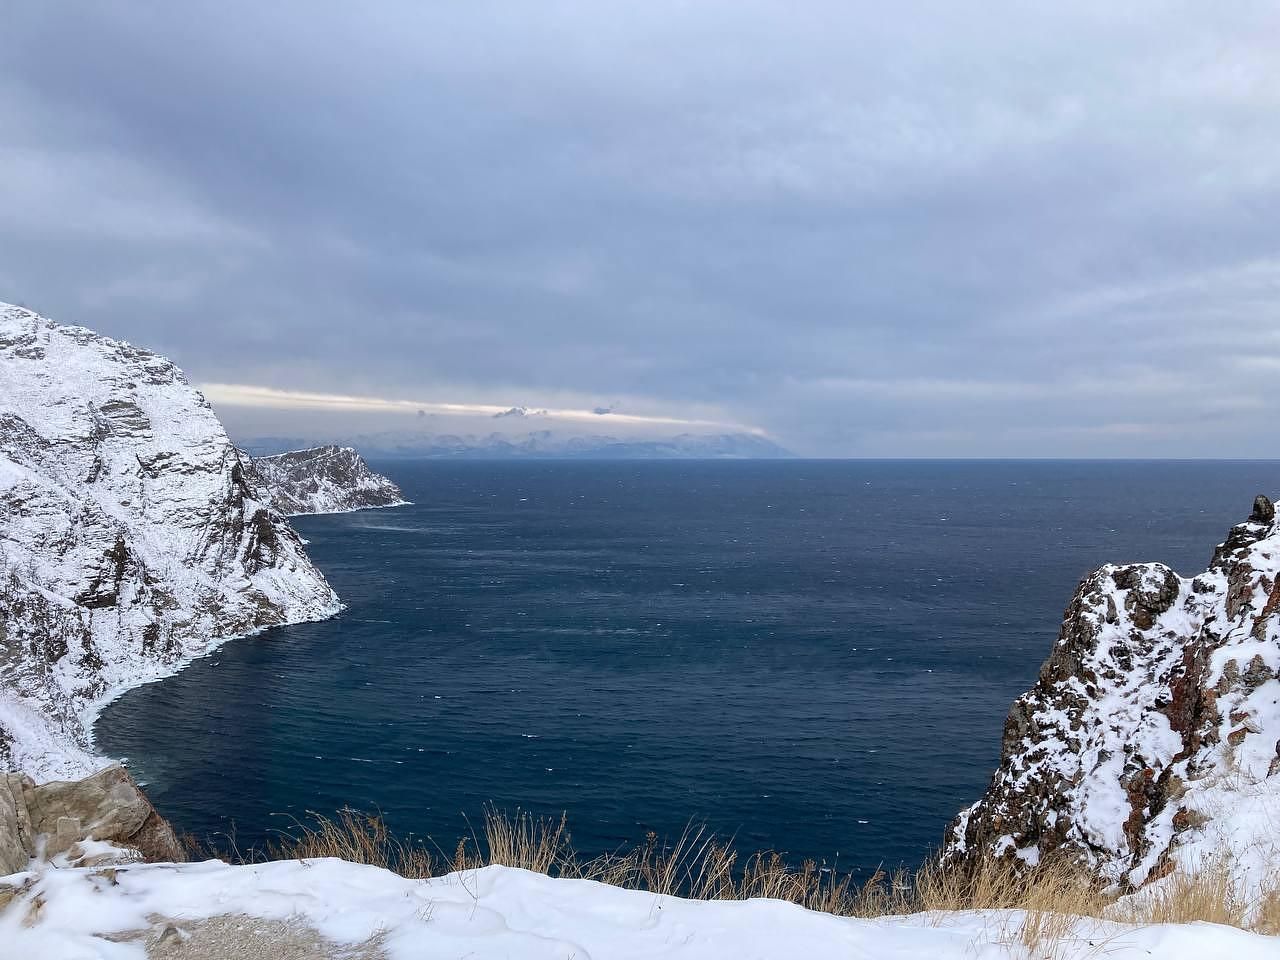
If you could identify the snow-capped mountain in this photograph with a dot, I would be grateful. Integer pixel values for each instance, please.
(326, 479)
(1151, 738)
(130, 538)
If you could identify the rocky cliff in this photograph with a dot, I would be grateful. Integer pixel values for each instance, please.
(1151, 737)
(326, 479)
(130, 538)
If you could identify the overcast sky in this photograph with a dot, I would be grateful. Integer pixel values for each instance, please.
(922, 229)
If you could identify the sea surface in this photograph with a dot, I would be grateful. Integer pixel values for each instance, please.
(811, 656)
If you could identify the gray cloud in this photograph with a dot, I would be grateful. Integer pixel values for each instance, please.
(932, 231)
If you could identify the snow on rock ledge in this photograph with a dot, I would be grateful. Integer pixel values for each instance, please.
(1150, 740)
(130, 540)
(325, 479)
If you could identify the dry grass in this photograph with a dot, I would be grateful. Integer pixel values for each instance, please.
(1047, 900)
(356, 837)
(1210, 893)
(540, 845)
(1267, 918)
(1206, 894)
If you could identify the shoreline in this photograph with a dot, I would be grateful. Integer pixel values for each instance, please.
(89, 714)
(338, 513)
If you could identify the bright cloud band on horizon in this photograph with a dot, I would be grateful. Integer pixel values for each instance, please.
(248, 395)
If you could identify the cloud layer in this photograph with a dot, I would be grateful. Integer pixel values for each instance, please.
(932, 230)
(270, 398)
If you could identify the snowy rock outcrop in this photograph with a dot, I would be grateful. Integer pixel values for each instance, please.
(1151, 738)
(130, 538)
(326, 479)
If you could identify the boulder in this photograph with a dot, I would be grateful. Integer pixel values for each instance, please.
(53, 818)
(1264, 510)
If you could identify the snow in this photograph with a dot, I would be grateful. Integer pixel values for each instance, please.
(500, 912)
(1243, 826)
(326, 479)
(1100, 753)
(46, 751)
(131, 542)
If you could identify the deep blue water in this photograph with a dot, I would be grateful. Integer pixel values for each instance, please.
(812, 656)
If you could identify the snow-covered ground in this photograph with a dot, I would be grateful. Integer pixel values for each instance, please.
(499, 912)
(1240, 837)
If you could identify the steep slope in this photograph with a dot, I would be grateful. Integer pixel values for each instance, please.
(326, 479)
(1151, 737)
(130, 541)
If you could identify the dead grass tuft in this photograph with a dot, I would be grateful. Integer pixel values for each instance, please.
(349, 835)
(1267, 919)
(1210, 893)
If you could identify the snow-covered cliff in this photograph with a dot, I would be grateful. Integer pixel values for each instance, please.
(130, 540)
(1151, 738)
(326, 479)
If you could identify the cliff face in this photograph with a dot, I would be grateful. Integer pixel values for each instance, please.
(1151, 736)
(130, 538)
(325, 479)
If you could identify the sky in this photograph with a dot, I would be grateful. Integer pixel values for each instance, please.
(863, 229)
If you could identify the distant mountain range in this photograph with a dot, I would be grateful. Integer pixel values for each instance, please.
(545, 444)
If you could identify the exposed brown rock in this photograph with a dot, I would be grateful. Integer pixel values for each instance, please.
(1142, 654)
(1263, 510)
(1188, 819)
(52, 818)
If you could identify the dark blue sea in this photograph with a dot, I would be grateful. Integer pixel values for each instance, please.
(811, 656)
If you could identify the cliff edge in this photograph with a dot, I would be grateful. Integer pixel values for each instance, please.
(1151, 738)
